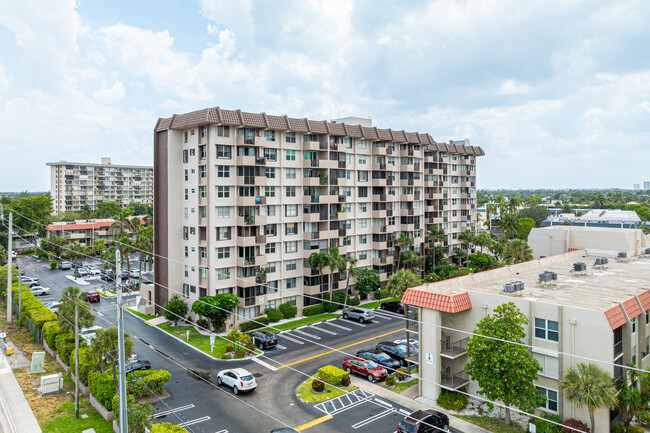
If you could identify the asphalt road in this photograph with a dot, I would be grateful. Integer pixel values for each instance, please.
(201, 406)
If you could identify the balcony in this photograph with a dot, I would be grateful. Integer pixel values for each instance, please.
(380, 166)
(260, 161)
(343, 232)
(312, 181)
(246, 160)
(378, 229)
(261, 200)
(310, 235)
(260, 239)
(342, 164)
(342, 198)
(244, 262)
(379, 213)
(251, 141)
(455, 381)
(453, 350)
(260, 278)
(310, 163)
(246, 220)
(246, 241)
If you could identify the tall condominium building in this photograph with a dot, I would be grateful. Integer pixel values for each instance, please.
(242, 200)
(646, 185)
(75, 184)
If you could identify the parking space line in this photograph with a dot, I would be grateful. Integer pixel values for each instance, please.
(264, 364)
(316, 337)
(383, 403)
(377, 316)
(223, 431)
(321, 329)
(355, 323)
(194, 421)
(373, 418)
(167, 412)
(404, 411)
(330, 322)
(279, 346)
(291, 339)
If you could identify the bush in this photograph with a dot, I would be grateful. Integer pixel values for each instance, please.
(53, 264)
(229, 349)
(102, 387)
(545, 426)
(452, 400)
(345, 380)
(203, 323)
(643, 418)
(317, 385)
(390, 380)
(175, 309)
(167, 427)
(401, 373)
(64, 345)
(273, 314)
(50, 331)
(39, 316)
(338, 298)
(634, 429)
(116, 403)
(86, 363)
(332, 375)
(381, 294)
(313, 310)
(154, 380)
(288, 310)
(572, 424)
(329, 307)
(254, 324)
(239, 354)
(353, 302)
(618, 428)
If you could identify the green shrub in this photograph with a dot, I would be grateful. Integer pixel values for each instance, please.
(634, 429)
(86, 363)
(317, 385)
(115, 403)
(390, 380)
(452, 400)
(643, 418)
(203, 323)
(288, 310)
(353, 302)
(345, 380)
(39, 316)
(64, 346)
(27, 252)
(273, 314)
(329, 307)
(332, 375)
(313, 310)
(53, 264)
(50, 331)
(167, 427)
(544, 426)
(381, 294)
(618, 428)
(254, 324)
(102, 387)
(338, 298)
(401, 373)
(154, 380)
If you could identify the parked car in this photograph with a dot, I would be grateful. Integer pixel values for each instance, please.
(134, 273)
(64, 266)
(77, 265)
(124, 274)
(130, 367)
(82, 272)
(394, 306)
(380, 358)
(424, 421)
(394, 350)
(92, 296)
(264, 339)
(414, 345)
(358, 313)
(29, 281)
(40, 290)
(238, 379)
(53, 306)
(93, 270)
(89, 333)
(366, 368)
(107, 275)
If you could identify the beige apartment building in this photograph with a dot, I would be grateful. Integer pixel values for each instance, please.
(600, 314)
(76, 184)
(87, 232)
(243, 199)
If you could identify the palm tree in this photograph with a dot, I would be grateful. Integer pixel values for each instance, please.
(105, 347)
(144, 243)
(76, 250)
(483, 240)
(513, 205)
(400, 281)
(508, 224)
(517, 251)
(434, 235)
(402, 242)
(466, 238)
(336, 263)
(352, 270)
(490, 209)
(70, 296)
(533, 200)
(317, 261)
(123, 222)
(598, 201)
(587, 385)
(411, 260)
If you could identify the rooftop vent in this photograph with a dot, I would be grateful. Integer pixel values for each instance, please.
(647, 250)
(579, 267)
(544, 277)
(622, 255)
(601, 261)
(509, 288)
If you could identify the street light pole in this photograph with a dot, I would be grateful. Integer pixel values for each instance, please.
(120, 337)
(76, 359)
(10, 273)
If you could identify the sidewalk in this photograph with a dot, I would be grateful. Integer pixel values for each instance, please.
(411, 404)
(15, 413)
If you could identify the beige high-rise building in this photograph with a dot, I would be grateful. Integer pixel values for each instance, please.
(75, 184)
(239, 192)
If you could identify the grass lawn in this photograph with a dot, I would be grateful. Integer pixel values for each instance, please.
(301, 322)
(375, 304)
(201, 342)
(306, 395)
(401, 386)
(495, 425)
(142, 316)
(62, 419)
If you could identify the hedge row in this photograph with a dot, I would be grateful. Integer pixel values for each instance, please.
(332, 375)
(154, 380)
(254, 324)
(381, 294)
(313, 310)
(32, 308)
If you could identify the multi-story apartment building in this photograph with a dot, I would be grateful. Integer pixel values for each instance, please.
(597, 314)
(238, 192)
(76, 184)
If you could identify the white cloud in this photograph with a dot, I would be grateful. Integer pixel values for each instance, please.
(110, 94)
(513, 87)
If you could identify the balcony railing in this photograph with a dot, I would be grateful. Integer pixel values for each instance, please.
(249, 301)
(455, 380)
(455, 348)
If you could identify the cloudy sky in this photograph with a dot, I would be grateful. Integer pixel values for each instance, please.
(556, 92)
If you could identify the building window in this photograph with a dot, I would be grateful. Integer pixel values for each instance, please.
(363, 207)
(203, 292)
(270, 267)
(551, 398)
(291, 173)
(291, 155)
(247, 313)
(269, 191)
(223, 273)
(633, 322)
(223, 253)
(203, 192)
(223, 171)
(291, 265)
(269, 135)
(224, 151)
(203, 273)
(290, 300)
(290, 137)
(203, 153)
(363, 239)
(550, 365)
(546, 329)
(270, 172)
(223, 192)
(223, 131)
(291, 229)
(203, 252)
(187, 271)
(361, 144)
(362, 159)
(223, 233)
(269, 248)
(186, 252)
(291, 283)
(291, 191)
(363, 223)
(363, 255)
(223, 212)
(291, 247)
(291, 210)
(186, 176)
(203, 212)
(271, 304)
(186, 194)
(270, 154)
(203, 172)
(185, 137)
(270, 210)
(186, 233)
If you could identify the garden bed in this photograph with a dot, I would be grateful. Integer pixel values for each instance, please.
(307, 395)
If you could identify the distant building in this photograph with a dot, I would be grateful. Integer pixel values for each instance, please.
(637, 187)
(646, 185)
(76, 184)
(613, 218)
(86, 232)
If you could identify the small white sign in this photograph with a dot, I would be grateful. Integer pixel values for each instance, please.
(428, 357)
(532, 428)
(261, 300)
(3, 335)
(212, 338)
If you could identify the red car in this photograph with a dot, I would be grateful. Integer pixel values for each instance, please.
(92, 296)
(365, 367)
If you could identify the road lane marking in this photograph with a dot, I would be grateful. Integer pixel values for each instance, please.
(291, 339)
(223, 431)
(264, 364)
(378, 316)
(194, 421)
(340, 348)
(331, 323)
(322, 330)
(315, 337)
(373, 418)
(313, 423)
(167, 412)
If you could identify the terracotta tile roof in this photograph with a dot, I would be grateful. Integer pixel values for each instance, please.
(454, 303)
(253, 120)
(229, 117)
(163, 124)
(412, 137)
(615, 316)
(644, 297)
(369, 133)
(400, 136)
(354, 131)
(82, 226)
(632, 307)
(191, 119)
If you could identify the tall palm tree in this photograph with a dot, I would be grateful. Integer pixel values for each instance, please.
(508, 224)
(122, 221)
(70, 296)
(466, 238)
(400, 281)
(598, 201)
(588, 386)
(490, 209)
(434, 235)
(483, 240)
(105, 347)
(144, 243)
(317, 261)
(336, 263)
(402, 242)
(76, 250)
(352, 271)
(533, 200)
(517, 251)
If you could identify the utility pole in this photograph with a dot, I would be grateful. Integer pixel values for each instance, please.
(10, 274)
(76, 358)
(120, 339)
(20, 288)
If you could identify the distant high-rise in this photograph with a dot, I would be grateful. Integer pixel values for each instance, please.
(636, 186)
(646, 185)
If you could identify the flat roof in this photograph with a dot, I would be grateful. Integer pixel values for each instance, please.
(599, 289)
(94, 164)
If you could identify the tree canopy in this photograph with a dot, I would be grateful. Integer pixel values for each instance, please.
(217, 308)
(367, 280)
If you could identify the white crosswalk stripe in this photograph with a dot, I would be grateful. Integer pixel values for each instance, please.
(281, 347)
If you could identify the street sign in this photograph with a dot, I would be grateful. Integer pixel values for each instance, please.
(212, 338)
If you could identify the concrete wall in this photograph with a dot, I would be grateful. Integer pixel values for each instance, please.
(554, 240)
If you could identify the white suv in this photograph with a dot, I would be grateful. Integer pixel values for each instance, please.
(238, 379)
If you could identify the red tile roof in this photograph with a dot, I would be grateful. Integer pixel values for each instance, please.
(615, 316)
(437, 301)
(632, 307)
(644, 297)
(82, 226)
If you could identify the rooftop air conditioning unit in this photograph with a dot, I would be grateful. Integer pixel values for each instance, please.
(647, 250)
(622, 255)
(545, 277)
(599, 261)
(509, 288)
(579, 267)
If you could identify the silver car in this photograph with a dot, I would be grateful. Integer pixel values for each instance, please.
(40, 290)
(358, 313)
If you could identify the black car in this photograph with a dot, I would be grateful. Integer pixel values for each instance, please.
(394, 350)
(424, 421)
(137, 365)
(264, 339)
(394, 306)
(124, 274)
(107, 275)
(380, 358)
